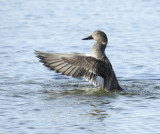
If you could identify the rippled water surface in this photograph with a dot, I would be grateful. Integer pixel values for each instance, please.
(37, 101)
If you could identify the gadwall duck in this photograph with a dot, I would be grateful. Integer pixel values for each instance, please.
(95, 67)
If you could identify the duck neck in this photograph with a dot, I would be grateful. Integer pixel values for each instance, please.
(98, 50)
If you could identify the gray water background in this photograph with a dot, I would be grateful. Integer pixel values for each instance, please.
(36, 100)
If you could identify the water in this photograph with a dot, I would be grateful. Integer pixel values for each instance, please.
(35, 100)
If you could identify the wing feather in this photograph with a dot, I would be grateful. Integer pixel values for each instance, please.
(75, 65)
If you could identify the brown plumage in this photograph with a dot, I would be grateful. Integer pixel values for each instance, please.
(95, 68)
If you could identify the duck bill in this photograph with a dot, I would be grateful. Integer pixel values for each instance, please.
(88, 38)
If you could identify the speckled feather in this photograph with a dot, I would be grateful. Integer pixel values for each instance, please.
(95, 68)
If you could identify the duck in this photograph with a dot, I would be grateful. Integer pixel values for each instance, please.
(94, 67)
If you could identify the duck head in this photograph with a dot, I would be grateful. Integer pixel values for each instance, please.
(99, 36)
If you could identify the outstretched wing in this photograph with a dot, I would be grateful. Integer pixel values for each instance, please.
(76, 65)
